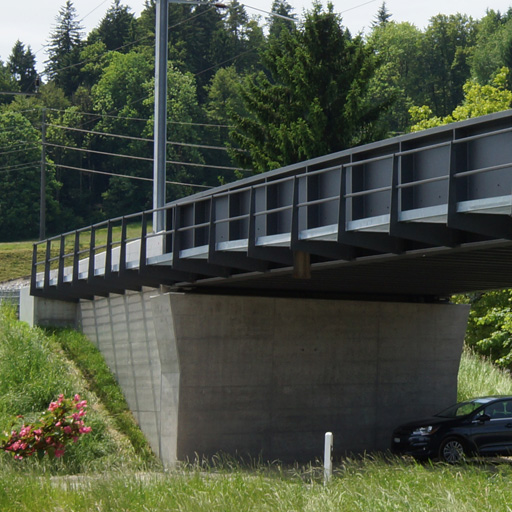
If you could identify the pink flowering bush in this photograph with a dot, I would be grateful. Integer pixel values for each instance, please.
(62, 423)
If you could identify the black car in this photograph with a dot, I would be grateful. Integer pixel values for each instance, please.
(481, 426)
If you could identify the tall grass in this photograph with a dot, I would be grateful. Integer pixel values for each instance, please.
(33, 372)
(479, 377)
(101, 381)
(371, 485)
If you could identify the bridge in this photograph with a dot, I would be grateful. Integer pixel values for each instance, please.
(296, 300)
(425, 214)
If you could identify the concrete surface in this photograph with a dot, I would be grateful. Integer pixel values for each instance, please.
(45, 312)
(268, 377)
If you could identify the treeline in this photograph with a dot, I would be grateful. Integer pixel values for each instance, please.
(246, 94)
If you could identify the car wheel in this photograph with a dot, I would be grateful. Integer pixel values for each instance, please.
(452, 451)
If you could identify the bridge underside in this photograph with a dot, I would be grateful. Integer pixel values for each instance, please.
(419, 275)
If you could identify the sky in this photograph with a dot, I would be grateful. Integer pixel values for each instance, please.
(32, 21)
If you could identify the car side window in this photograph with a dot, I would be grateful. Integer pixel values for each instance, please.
(499, 410)
(508, 408)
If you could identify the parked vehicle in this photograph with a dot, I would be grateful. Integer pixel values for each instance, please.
(481, 426)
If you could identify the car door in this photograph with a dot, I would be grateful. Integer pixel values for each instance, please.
(494, 434)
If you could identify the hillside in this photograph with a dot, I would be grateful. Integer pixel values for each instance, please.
(15, 259)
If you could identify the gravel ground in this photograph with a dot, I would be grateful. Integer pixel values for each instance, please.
(15, 284)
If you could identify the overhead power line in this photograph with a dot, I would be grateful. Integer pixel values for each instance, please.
(129, 137)
(13, 151)
(19, 166)
(105, 153)
(129, 177)
(147, 159)
(20, 143)
(186, 123)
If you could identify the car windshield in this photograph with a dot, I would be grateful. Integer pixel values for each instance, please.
(462, 408)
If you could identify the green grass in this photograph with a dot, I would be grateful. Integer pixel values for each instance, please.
(113, 472)
(479, 377)
(371, 484)
(33, 372)
(102, 383)
(16, 260)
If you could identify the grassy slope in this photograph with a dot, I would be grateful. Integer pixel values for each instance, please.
(15, 260)
(34, 370)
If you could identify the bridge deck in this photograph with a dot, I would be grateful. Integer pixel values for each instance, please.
(425, 214)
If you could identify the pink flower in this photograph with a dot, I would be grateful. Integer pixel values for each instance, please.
(85, 430)
(76, 398)
(38, 432)
(53, 406)
(59, 452)
(67, 429)
(25, 431)
(81, 404)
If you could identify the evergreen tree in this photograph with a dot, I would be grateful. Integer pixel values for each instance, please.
(7, 84)
(241, 35)
(316, 100)
(275, 23)
(22, 66)
(116, 29)
(64, 50)
(383, 15)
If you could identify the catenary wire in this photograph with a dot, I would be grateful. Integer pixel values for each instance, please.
(147, 159)
(81, 169)
(141, 139)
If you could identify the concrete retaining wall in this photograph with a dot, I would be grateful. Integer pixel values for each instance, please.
(269, 377)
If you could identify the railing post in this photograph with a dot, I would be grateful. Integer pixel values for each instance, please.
(122, 250)
(92, 253)
(143, 242)
(108, 253)
(33, 276)
(47, 264)
(76, 258)
(62, 251)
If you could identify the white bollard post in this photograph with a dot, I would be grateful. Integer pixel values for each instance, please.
(328, 457)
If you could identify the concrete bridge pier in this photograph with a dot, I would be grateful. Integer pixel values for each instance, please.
(269, 376)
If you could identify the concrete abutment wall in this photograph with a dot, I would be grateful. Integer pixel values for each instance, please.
(269, 376)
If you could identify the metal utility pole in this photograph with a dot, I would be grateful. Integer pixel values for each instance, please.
(160, 132)
(42, 206)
